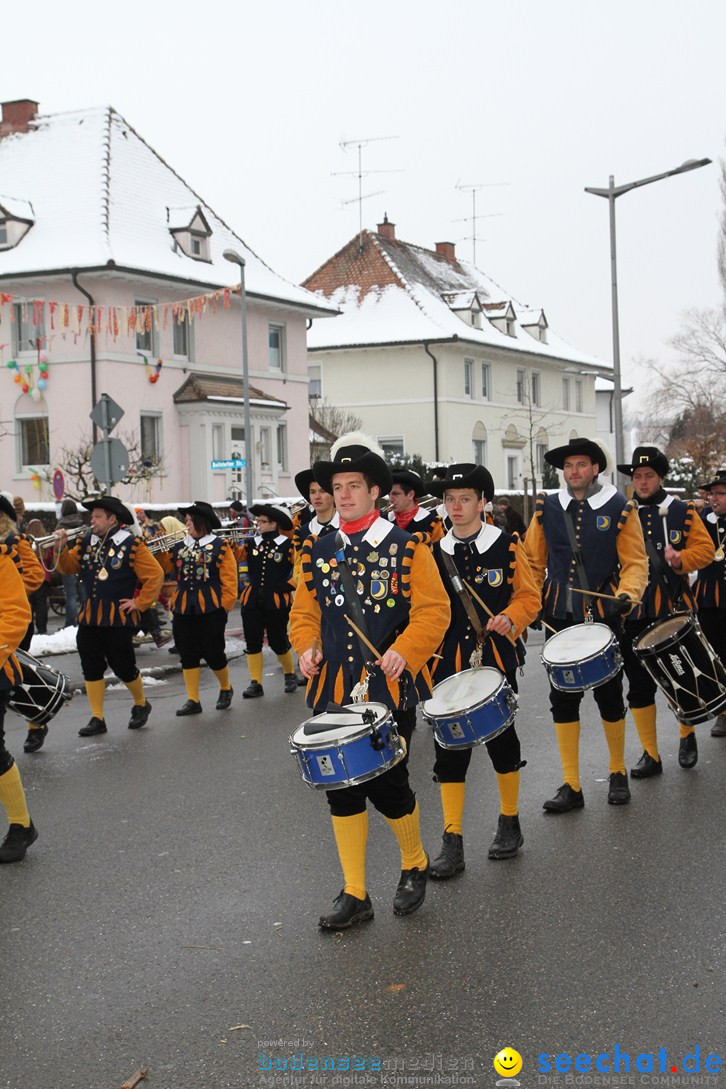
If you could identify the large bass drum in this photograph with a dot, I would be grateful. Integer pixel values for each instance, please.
(42, 691)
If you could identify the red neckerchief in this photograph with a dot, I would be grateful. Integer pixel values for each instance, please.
(359, 524)
(403, 520)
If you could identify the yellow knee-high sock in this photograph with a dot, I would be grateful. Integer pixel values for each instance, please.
(136, 688)
(615, 737)
(453, 796)
(644, 719)
(685, 730)
(254, 664)
(34, 726)
(191, 683)
(568, 740)
(407, 831)
(286, 662)
(95, 690)
(508, 793)
(12, 797)
(222, 676)
(351, 837)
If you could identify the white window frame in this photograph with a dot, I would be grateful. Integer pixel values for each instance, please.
(219, 443)
(486, 381)
(280, 330)
(521, 382)
(158, 418)
(25, 466)
(317, 381)
(535, 386)
(540, 449)
(578, 395)
(153, 350)
(176, 330)
(281, 444)
(468, 377)
(512, 470)
(265, 449)
(23, 346)
(566, 394)
(392, 445)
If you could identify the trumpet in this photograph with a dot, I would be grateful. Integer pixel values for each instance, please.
(233, 534)
(39, 543)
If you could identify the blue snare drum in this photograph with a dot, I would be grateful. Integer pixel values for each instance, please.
(470, 708)
(581, 657)
(344, 748)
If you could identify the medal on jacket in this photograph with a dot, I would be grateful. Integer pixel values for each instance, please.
(103, 574)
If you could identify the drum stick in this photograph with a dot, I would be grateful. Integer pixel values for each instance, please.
(609, 597)
(314, 648)
(360, 635)
(487, 610)
(663, 512)
(549, 627)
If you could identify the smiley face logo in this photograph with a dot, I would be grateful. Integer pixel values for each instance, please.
(508, 1062)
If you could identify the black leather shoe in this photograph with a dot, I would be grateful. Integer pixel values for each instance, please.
(508, 839)
(688, 751)
(451, 860)
(17, 842)
(647, 767)
(253, 690)
(224, 700)
(191, 707)
(139, 715)
(347, 911)
(290, 682)
(564, 800)
(618, 790)
(719, 727)
(95, 726)
(301, 682)
(35, 739)
(411, 891)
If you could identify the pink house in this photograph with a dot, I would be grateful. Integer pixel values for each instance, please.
(112, 281)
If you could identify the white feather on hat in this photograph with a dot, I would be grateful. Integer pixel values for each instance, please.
(356, 438)
(134, 528)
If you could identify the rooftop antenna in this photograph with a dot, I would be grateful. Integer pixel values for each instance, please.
(473, 217)
(360, 173)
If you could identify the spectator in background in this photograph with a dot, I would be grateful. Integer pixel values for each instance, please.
(19, 505)
(514, 523)
(70, 519)
(39, 598)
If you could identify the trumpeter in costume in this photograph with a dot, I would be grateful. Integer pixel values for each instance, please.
(710, 587)
(586, 536)
(689, 548)
(494, 564)
(111, 562)
(406, 511)
(204, 568)
(371, 569)
(267, 597)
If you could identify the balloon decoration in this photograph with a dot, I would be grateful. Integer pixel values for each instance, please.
(37, 482)
(23, 376)
(153, 372)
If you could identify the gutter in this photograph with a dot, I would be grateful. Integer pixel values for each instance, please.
(436, 399)
(94, 398)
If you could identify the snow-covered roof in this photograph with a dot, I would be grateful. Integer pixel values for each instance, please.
(17, 209)
(393, 292)
(102, 197)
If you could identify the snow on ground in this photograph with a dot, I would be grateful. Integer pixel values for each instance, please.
(60, 642)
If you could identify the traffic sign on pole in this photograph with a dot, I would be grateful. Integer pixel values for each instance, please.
(110, 461)
(106, 413)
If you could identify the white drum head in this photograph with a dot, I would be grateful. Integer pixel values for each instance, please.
(577, 643)
(463, 691)
(663, 632)
(337, 726)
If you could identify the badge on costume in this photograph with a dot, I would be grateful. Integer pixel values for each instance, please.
(603, 522)
(495, 576)
(675, 536)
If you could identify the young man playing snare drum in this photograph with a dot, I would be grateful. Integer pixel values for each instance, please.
(384, 576)
(586, 536)
(499, 588)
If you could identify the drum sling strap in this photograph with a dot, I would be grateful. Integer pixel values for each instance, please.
(465, 599)
(662, 574)
(579, 564)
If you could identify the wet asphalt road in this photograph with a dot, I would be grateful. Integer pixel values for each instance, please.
(166, 917)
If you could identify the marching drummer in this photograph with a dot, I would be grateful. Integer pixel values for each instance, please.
(387, 579)
(586, 536)
(676, 542)
(710, 588)
(494, 569)
(325, 518)
(406, 511)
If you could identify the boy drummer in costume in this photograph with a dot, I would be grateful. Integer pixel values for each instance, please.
(689, 548)
(325, 518)
(405, 610)
(495, 565)
(586, 536)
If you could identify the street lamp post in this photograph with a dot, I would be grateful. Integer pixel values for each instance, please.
(237, 259)
(611, 194)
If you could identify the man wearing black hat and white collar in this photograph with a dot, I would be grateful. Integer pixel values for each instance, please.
(688, 548)
(710, 588)
(388, 579)
(267, 597)
(407, 489)
(325, 518)
(111, 562)
(586, 536)
(494, 564)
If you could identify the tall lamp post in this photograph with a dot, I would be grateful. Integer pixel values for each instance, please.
(611, 194)
(237, 259)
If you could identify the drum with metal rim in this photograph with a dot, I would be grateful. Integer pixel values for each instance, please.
(348, 746)
(582, 656)
(470, 708)
(42, 691)
(685, 667)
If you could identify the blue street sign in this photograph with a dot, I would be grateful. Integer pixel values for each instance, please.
(231, 463)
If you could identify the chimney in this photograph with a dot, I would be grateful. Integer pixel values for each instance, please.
(447, 250)
(17, 116)
(388, 230)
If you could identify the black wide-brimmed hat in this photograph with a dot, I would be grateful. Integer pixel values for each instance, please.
(275, 514)
(237, 504)
(354, 453)
(202, 510)
(720, 478)
(303, 480)
(586, 447)
(409, 480)
(464, 474)
(6, 507)
(111, 505)
(647, 457)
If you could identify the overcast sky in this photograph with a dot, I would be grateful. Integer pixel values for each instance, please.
(250, 102)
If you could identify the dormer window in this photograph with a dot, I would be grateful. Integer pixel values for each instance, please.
(190, 231)
(534, 322)
(16, 219)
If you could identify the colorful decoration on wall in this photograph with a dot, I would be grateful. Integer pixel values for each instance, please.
(153, 372)
(24, 376)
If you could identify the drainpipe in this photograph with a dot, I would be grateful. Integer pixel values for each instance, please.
(94, 398)
(436, 401)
